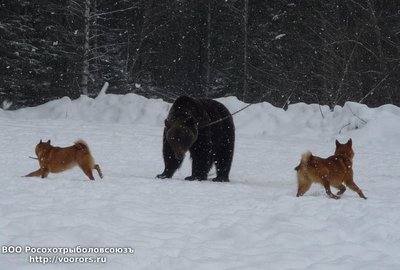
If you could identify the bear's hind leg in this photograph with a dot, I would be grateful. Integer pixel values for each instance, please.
(223, 163)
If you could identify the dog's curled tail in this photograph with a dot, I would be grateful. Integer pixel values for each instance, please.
(304, 159)
(81, 145)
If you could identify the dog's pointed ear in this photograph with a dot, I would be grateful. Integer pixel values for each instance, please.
(337, 143)
(40, 141)
(48, 142)
(350, 142)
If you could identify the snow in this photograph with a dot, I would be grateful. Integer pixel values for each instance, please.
(253, 222)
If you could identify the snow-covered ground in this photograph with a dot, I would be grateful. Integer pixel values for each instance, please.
(253, 222)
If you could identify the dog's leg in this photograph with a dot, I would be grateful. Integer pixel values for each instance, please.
(350, 183)
(97, 168)
(88, 171)
(327, 187)
(45, 172)
(36, 173)
(304, 184)
(341, 189)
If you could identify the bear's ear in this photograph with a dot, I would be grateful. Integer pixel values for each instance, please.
(48, 142)
(40, 141)
(166, 123)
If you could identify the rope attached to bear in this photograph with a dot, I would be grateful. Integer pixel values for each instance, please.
(226, 117)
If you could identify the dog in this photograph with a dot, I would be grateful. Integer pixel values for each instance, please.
(57, 159)
(331, 171)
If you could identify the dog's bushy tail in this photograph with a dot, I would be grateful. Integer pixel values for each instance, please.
(81, 145)
(304, 159)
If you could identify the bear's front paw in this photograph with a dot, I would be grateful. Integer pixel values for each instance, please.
(162, 176)
(192, 178)
(221, 179)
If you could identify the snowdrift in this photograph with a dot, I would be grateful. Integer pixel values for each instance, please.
(261, 119)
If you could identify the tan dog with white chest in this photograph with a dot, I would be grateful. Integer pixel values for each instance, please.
(332, 171)
(58, 159)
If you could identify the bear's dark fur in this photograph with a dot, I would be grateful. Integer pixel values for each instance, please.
(186, 129)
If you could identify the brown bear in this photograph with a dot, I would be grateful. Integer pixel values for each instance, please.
(190, 127)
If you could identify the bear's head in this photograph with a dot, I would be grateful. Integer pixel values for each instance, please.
(181, 134)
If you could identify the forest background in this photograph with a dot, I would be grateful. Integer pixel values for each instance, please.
(279, 51)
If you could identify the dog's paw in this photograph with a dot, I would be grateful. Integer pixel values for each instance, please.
(333, 196)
